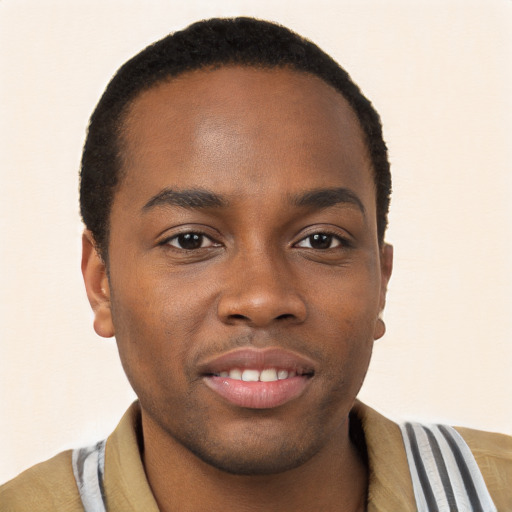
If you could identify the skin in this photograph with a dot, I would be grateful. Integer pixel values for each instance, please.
(257, 139)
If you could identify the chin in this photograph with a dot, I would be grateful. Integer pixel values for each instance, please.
(254, 462)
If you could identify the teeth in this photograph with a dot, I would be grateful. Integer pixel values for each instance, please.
(251, 376)
(269, 375)
(266, 375)
(235, 374)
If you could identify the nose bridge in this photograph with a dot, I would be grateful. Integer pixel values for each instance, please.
(260, 288)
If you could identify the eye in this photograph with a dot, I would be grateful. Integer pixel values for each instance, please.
(320, 241)
(191, 241)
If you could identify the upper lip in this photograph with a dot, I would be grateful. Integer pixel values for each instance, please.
(258, 359)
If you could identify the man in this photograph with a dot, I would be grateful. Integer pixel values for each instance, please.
(235, 189)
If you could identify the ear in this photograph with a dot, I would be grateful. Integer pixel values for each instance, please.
(95, 277)
(386, 268)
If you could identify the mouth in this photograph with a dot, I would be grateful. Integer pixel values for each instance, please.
(265, 375)
(258, 379)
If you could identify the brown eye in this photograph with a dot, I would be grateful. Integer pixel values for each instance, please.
(191, 241)
(320, 241)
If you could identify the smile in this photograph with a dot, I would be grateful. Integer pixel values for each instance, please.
(258, 379)
(266, 375)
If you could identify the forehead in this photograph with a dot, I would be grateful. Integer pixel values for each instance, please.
(233, 124)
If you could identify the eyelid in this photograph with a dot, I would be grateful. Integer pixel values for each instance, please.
(334, 238)
(341, 243)
(213, 243)
(343, 236)
(184, 230)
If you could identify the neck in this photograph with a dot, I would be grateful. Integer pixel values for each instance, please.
(335, 479)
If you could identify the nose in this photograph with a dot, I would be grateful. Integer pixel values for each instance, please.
(260, 291)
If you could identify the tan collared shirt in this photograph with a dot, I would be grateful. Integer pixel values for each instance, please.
(50, 486)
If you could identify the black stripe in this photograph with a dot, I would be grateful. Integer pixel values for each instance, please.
(464, 471)
(425, 483)
(100, 472)
(82, 456)
(443, 472)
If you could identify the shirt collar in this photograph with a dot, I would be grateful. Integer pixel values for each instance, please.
(390, 488)
(390, 485)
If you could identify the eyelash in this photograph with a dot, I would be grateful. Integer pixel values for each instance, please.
(197, 234)
(342, 242)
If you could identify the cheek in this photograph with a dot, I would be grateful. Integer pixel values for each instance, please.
(348, 300)
(346, 312)
(155, 322)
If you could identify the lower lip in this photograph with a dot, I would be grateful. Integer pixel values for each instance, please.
(257, 395)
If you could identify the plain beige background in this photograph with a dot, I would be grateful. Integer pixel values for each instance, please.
(439, 72)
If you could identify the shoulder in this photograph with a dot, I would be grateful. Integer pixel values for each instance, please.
(48, 486)
(493, 454)
(390, 472)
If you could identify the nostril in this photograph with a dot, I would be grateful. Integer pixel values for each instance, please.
(285, 316)
(260, 307)
(238, 317)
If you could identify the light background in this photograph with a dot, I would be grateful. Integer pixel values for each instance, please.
(440, 74)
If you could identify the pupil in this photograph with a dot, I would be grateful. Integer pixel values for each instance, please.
(190, 240)
(321, 241)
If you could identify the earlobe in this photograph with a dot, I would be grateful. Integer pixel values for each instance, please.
(97, 287)
(380, 328)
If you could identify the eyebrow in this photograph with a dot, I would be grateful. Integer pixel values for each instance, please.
(192, 198)
(199, 198)
(326, 197)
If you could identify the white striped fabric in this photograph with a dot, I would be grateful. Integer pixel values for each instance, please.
(444, 473)
(88, 468)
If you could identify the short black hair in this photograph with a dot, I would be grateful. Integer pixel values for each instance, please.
(205, 44)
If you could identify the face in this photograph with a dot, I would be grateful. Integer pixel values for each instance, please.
(245, 275)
